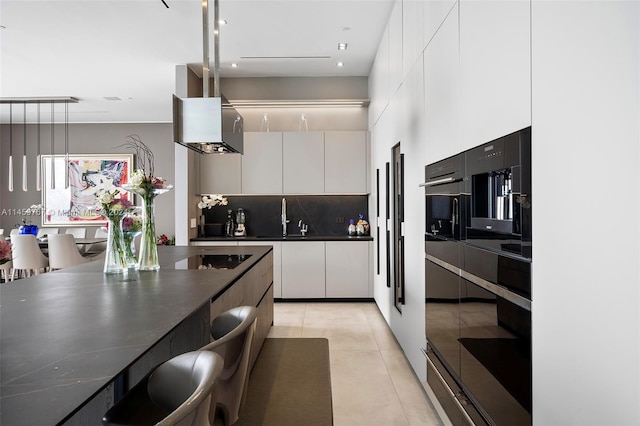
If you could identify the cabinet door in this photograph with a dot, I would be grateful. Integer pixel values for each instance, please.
(303, 162)
(220, 173)
(277, 263)
(303, 270)
(347, 268)
(262, 163)
(495, 69)
(345, 162)
(441, 71)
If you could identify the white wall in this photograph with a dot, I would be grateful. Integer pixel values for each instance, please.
(585, 116)
(576, 81)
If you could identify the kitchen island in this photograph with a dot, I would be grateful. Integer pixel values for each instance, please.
(73, 339)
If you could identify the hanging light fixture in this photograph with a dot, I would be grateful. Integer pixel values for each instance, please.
(11, 148)
(66, 144)
(52, 101)
(24, 147)
(38, 157)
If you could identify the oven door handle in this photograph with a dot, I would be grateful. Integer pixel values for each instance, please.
(437, 182)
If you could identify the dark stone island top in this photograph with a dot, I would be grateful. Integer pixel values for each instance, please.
(291, 237)
(65, 335)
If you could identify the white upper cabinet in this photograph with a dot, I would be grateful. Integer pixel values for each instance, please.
(395, 47)
(345, 162)
(495, 69)
(379, 80)
(220, 173)
(262, 163)
(412, 33)
(441, 79)
(303, 162)
(435, 12)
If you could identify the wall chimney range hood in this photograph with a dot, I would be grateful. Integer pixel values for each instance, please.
(208, 125)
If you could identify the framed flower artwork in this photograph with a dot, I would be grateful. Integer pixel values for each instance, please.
(76, 204)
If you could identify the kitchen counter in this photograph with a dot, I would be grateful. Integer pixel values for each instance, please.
(292, 237)
(67, 335)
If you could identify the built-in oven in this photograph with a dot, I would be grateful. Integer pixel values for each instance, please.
(498, 180)
(445, 204)
(478, 328)
(478, 282)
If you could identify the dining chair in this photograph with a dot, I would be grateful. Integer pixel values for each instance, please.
(78, 233)
(232, 332)
(178, 392)
(63, 252)
(98, 247)
(5, 270)
(47, 232)
(26, 255)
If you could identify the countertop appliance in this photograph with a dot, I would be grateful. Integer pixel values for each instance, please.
(241, 219)
(478, 282)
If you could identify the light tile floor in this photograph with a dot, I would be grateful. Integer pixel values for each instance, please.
(372, 383)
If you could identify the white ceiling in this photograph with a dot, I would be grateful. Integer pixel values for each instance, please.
(92, 49)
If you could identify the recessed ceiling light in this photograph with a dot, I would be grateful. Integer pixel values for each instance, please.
(342, 46)
(340, 64)
(234, 65)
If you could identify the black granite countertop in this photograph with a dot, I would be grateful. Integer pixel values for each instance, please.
(65, 335)
(292, 237)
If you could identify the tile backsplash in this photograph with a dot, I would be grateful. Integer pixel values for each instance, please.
(324, 214)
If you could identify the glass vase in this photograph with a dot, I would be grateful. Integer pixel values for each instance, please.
(115, 261)
(131, 228)
(148, 256)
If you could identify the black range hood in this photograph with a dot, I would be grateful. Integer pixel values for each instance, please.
(207, 125)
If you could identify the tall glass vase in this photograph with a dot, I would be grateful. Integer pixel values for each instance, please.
(115, 261)
(148, 256)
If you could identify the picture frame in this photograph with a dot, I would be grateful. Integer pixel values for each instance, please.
(76, 205)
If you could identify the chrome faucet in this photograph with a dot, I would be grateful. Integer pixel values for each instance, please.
(303, 227)
(283, 217)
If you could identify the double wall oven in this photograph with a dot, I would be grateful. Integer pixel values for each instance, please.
(478, 282)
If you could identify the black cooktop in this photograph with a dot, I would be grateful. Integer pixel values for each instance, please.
(212, 261)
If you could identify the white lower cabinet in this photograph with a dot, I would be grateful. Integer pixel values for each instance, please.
(303, 270)
(277, 263)
(347, 269)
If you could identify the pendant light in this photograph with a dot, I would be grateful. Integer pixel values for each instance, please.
(53, 153)
(25, 169)
(38, 156)
(66, 145)
(24, 147)
(11, 148)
